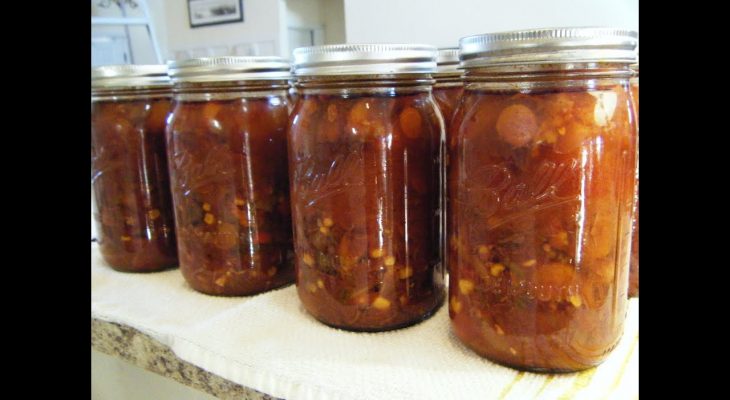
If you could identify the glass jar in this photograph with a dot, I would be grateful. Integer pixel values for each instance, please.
(634, 265)
(291, 94)
(132, 207)
(228, 165)
(447, 93)
(449, 86)
(365, 144)
(542, 177)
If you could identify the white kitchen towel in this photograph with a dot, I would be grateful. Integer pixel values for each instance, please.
(268, 342)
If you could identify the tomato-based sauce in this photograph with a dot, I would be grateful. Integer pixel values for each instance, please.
(540, 192)
(133, 213)
(365, 198)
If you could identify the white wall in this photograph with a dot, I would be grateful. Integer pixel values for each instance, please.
(284, 50)
(441, 23)
(332, 15)
(437, 22)
(303, 13)
(158, 11)
(327, 17)
(260, 26)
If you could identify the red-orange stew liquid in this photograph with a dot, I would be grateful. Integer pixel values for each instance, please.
(228, 163)
(634, 266)
(365, 168)
(541, 183)
(133, 207)
(447, 92)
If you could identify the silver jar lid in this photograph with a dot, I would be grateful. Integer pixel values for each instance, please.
(364, 59)
(229, 68)
(447, 61)
(549, 45)
(123, 76)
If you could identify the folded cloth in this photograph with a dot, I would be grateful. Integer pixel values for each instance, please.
(268, 342)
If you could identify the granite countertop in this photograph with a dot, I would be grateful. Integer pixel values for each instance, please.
(144, 351)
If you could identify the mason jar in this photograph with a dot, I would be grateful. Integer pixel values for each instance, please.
(541, 182)
(634, 264)
(365, 144)
(447, 93)
(132, 208)
(449, 86)
(226, 141)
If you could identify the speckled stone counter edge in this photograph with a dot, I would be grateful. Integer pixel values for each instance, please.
(144, 351)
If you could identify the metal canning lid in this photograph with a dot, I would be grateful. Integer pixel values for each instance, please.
(447, 61)
(122, 76)
(364, 59)
(549, 45)
(229, 68)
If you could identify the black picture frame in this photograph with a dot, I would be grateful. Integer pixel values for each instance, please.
(214, 12)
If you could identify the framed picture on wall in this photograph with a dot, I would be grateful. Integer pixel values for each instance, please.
(214, 12)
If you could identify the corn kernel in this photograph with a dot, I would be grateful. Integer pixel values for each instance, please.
(320, 283)
(575, 300)
(381, 303)
(483, 250)
(308, 259)
(550, 137)
(405, 273)
(239, 202)
(206, 207)
(126, 238)
(499, 330)
(376, 253)
(559, 240)
(311, 287)
(529, 263)
(455, 305)
(209, 218)
(466, 286)
(328, 222)
(325, 230)
(389, 261)
(154, 214)
(496, 269)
